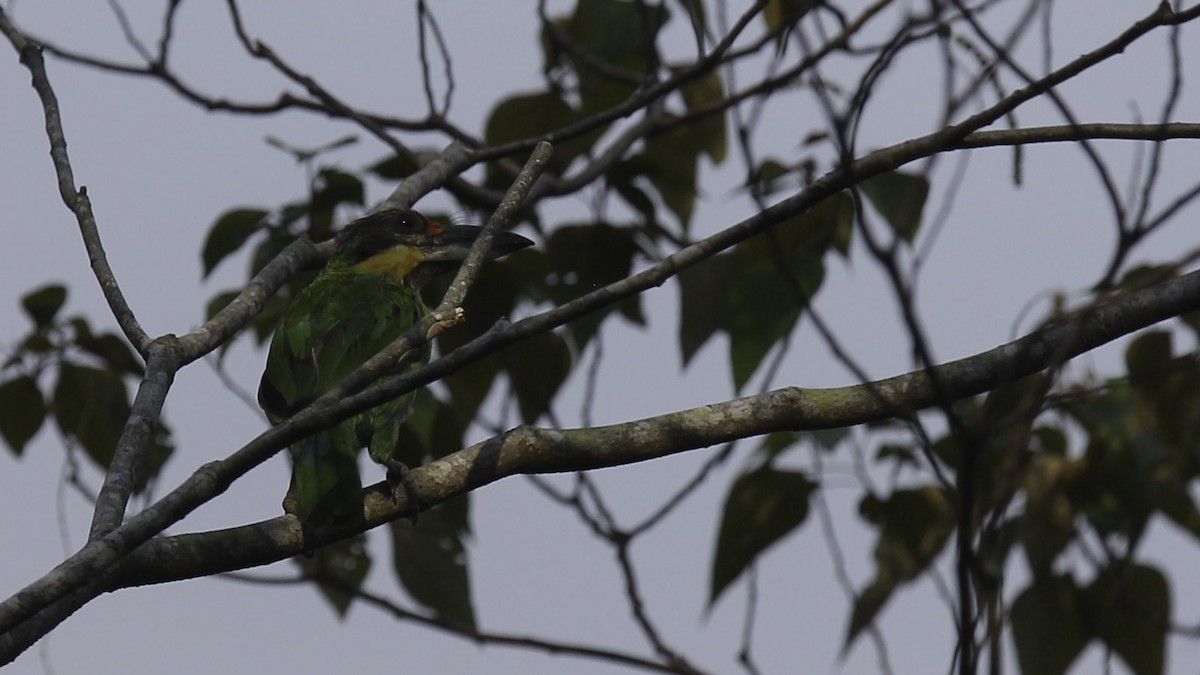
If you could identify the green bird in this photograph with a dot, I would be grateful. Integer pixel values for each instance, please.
(367, 295)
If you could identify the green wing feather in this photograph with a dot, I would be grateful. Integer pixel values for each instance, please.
(339, 321)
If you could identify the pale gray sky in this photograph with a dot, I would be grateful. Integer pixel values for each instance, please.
(159, 170)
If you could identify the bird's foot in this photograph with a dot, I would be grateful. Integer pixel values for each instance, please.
(306, 530)
(399, 478)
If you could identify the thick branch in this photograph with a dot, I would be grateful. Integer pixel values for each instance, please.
(531, 450)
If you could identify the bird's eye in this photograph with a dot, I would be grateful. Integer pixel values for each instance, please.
(409, 222)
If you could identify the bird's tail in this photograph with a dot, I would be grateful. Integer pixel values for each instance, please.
(326, 487)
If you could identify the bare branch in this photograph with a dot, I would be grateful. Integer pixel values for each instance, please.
(76, 200)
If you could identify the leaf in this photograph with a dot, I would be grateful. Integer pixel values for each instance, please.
(669, 160)
(618, 34)
(1048, 523)
(1130, 610)
(430, 561)
(22, 411)
(701, 303)
(537, 367)
(581, 258)
(1047, 628)
(900, 198)
(761, 508)
(339, 570)
(528, 116)
(867, 605)
(394, 167)
(42, 304)
(91, 405)
(227, 235)
(914, 526)
(709, 130)
(113, 350)
(433, 430)
(334, 187)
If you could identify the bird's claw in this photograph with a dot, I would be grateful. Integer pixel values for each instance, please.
(399, 478)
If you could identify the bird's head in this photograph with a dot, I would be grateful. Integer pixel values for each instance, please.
(410, 248)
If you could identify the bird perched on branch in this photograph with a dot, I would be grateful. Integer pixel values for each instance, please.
(366, 297)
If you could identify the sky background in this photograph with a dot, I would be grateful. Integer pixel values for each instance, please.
(159, 171)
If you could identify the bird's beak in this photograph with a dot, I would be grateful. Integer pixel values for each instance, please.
(453, 243)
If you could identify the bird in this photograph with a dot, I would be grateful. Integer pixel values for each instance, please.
(367, 295)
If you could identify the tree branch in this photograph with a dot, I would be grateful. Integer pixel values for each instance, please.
(531, 450)
(76, 200)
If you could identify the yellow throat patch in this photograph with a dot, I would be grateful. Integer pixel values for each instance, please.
(396, 262)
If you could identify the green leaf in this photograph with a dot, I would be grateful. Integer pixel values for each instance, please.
(22, 411)
(537, 367)
(1148, 355)
(92, 406)
(761, 508)
(785, 12)
(42, 304)
(709, 130)
(900, 198)
(431, 562)
(339, 570)
(227, 235)
(113, 350)
(218, 302)
(1048, 523)
(914, 526)
(701, 303)
(617, 33)
(867, 605)
(394, 167)
(492, 297)
(528, 116)
(581, 258)
(1130, 609)
(669, 160)
(334, 187)
(1047, 628)
(433, 430)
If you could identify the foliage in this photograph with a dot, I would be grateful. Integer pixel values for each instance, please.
(1057, 473)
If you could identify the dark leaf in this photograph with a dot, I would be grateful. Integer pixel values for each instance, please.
(1130, 609)
(669, 160)
(618, 34)
(702, 303)
(339, 570)
(334, 188)
(914, 526)
(218, 302)
(867, 605)
(91, 405)
(900, 198)
(114, 351)
(761, 508)
(227, 235)
(1048, 523)
(709, 130)
(431, 562)
(433, 430)
(22, 410)
(394, 167)
(537, 367)
(1048, 631)
(582, 258)
(531, 115)
(42, 304)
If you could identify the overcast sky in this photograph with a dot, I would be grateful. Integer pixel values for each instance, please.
(159, 170)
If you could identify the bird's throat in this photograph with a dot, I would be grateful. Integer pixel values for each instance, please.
(396, 263)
